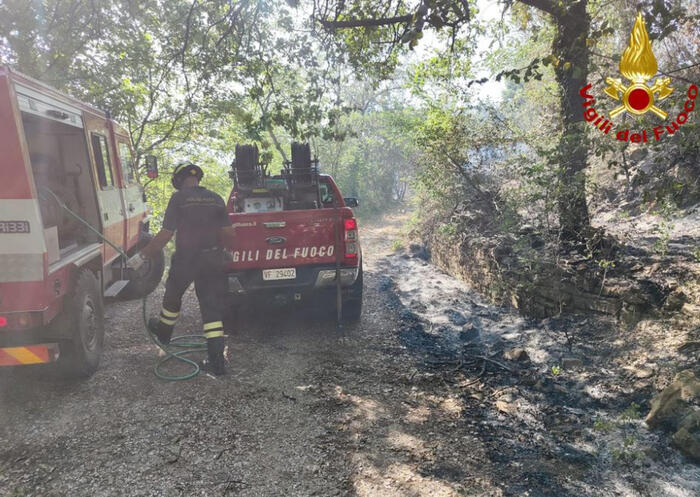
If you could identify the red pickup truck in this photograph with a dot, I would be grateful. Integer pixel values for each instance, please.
(293, 233)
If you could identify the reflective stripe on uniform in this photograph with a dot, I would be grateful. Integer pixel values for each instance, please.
(168, 317)
(168, 314)
(213, 325)
(214, 329)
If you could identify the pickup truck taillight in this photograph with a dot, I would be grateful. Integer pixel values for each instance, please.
(350, 238)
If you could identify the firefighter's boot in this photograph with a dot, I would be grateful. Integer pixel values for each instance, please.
(162, 331)
(215, 363)
(162, 326)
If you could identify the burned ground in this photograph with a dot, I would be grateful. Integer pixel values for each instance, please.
(433, 393)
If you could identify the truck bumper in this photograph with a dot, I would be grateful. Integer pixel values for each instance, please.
(311, 282)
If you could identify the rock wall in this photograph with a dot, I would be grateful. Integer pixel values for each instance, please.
(514, 273)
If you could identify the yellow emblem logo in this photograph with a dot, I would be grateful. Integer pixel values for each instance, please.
(638, 65)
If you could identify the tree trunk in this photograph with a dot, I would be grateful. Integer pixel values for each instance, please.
(571, 72)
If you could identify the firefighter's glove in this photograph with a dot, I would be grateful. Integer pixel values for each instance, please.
(135, 262)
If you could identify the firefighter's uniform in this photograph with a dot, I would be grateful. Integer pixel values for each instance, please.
(196, 215)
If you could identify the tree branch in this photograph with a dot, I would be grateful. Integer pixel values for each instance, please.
(365, 23)
(548, 6)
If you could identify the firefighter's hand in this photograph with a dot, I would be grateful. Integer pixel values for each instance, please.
(135, 262)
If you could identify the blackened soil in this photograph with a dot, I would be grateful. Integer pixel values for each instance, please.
(417, 399)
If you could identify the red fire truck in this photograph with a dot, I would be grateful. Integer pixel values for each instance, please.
(54, 270)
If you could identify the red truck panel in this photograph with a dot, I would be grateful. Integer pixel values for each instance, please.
(307, 237)
(286, 239)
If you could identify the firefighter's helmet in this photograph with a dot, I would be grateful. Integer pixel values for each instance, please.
(184, 170)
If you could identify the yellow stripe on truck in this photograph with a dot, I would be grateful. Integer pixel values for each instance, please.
(23, 355)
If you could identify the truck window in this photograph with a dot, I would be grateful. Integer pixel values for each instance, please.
(326, 194)
(104, 166)
(127, 163)
(263, 204)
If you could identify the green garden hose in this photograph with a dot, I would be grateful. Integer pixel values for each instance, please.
(196, 343)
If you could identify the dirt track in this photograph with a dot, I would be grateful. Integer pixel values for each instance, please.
(416, 400)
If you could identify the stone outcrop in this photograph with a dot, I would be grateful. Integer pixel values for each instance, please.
(677, 409)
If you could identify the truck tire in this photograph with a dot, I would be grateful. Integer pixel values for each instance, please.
(144, 280)
(352, 304)
(84, 321)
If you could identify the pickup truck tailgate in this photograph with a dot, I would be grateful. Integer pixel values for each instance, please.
(285, 239)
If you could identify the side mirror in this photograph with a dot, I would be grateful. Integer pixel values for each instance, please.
(351, 201)
(152, 166)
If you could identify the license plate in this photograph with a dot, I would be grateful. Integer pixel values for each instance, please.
(279, 274)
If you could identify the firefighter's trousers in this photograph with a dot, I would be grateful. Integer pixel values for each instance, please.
(205, 269)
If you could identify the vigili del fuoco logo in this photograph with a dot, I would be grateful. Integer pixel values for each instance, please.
(638, 65)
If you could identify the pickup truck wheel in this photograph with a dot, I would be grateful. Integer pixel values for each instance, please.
(84, 318)
(352, 305)
(144, 280)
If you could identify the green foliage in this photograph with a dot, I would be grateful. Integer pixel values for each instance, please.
(187, 79)
(628, 451)
(448, 230)
(603, 425)
(376, 160)
(192, 79)
(666, 210)
(631, 413)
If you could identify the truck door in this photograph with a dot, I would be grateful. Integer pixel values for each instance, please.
(131, 191)
(109, 196)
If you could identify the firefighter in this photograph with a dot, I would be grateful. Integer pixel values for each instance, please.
(200, 218)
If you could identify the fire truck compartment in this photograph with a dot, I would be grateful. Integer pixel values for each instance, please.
(60, 163)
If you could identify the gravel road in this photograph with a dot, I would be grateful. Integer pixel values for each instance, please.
(415, 400)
